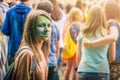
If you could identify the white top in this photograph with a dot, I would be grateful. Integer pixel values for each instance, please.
(60, 26)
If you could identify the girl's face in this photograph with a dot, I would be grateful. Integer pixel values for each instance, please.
(43, 27)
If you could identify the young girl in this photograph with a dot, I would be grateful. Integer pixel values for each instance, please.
(112, 12)
(69, 51)
(36, 37)
(93, 62)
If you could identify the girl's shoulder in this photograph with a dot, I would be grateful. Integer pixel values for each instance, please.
(112, 23)
(25, 51)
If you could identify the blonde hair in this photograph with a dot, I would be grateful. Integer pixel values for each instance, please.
(96, 20)
(75, 14)
(112, 10)
(30, 36)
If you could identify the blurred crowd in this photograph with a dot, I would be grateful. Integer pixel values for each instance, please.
(82, 38)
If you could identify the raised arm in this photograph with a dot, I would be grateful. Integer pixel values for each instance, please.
(112, 37)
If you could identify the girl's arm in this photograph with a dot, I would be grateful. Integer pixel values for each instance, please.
(112, 37)
(112, 51)
(78, 52)
(57, 49)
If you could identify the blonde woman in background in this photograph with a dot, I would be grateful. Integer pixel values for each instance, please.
(112, 12)
(75, 17)
(93, 61)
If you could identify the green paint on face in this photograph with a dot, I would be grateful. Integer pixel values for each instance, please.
(43, 27)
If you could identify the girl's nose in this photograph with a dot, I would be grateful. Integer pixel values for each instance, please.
(46, 28)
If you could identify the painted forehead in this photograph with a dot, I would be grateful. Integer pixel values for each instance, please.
(44, 18)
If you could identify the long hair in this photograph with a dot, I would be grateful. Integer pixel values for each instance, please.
(96, 20)
(75, 14)
(112, 11)
(30, 36)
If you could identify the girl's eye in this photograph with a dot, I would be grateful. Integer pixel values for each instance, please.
(48, 25)
(40, 25)
(44, 25)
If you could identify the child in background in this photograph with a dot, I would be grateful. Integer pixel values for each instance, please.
(93, 61)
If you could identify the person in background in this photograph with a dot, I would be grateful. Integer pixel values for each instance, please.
(94, 61)
(112, 12)
(54, 40)
(4, 8)
(3, 41)
(36, 37)
(69, 50)
(11, 3)
(45, 6)
(13, 26)
(68, 7)
(57, 17)
(61, 23)
(81, 5)
(3, 54)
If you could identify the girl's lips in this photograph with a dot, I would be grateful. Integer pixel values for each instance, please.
(46, 34)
